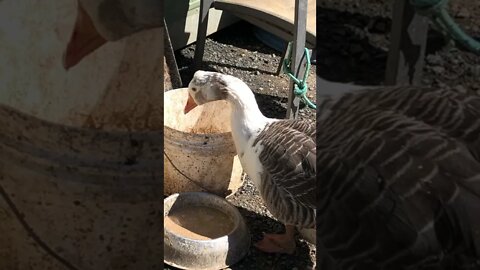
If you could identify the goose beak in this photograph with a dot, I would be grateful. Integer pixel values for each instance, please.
(190, 104)
(84, 40)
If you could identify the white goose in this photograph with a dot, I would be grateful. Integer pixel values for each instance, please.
(278, 155)
(99, 21)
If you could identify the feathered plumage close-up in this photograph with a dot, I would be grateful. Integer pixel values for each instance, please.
(399, 179)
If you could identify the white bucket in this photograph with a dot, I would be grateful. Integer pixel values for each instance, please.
(199, 150)
(80, 150)
(113, 88)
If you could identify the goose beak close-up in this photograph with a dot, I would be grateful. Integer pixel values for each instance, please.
(84, 39)
(190, 104)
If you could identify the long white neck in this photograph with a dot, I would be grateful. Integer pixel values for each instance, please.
(246, 117)
(244, 105)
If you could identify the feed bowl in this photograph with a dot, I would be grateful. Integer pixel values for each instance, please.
(203, 231)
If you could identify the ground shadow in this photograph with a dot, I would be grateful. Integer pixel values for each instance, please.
(271, 107)
(345, 53)
(354, 47)
(258, 224)
(186, 69)
(244, 37)
(177, 12)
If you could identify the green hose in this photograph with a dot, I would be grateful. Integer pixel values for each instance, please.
(436, 10)
(300, 85)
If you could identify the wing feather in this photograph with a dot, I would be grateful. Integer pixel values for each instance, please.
(399, 183)
(289, 160)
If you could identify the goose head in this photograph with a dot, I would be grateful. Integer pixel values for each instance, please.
(207, 86)
(100, 21)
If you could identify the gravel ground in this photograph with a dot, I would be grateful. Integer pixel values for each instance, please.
(354, 40)
(236, 51)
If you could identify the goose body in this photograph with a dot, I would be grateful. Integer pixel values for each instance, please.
(286, 150)
(399, 180)
(278, 155)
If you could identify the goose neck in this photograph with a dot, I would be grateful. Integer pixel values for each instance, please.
(244, 105)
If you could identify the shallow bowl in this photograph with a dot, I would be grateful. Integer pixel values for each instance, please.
(185, 252)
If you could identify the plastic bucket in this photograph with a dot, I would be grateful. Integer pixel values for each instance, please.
(80, 150)
(199, 150)
(89, 198)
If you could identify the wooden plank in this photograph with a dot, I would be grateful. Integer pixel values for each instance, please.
(274, 29)
(407, 48)
(275, 16)
(297, 55)
(276, 12)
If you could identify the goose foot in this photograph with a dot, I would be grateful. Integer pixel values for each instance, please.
(278, 243)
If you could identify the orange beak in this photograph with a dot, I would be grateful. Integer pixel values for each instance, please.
(190, 104)
(84, 40)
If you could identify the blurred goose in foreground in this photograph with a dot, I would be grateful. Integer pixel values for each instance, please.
(278, 155)
(399, 180)
(99, 21)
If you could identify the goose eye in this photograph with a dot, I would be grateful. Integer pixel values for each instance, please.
(194, 89)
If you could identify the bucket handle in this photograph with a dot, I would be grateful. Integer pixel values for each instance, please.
(197, 183)
(32, 233)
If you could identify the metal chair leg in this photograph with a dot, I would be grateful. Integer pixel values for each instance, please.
(297, 54)
(280, 65)
(205, 6)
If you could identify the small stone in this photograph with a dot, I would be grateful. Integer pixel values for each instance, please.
(380, 27)
(434, 59)
(364, 57)
(355, 48)
(257, 72)
(438, 69)
(463, 13)
(442, 85)
(475, 70)
(460, 89)
(425, 81)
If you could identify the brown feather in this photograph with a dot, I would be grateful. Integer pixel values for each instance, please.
(399, 179)
(288, 180)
